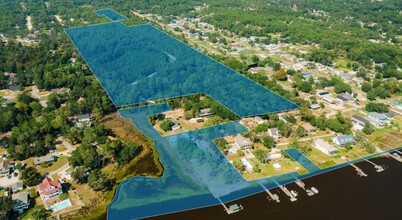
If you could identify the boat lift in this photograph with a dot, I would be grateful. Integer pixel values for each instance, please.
(286, 191)
(302, 185)
(231, 209)
(376, 166)
(395, 156)
(358, 170)
(271, 196)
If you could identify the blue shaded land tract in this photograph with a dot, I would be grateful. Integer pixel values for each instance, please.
(112, 15)
(302, 160)
(141, 63)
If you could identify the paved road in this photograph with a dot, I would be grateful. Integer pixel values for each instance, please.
(63, 168)
(69, 146)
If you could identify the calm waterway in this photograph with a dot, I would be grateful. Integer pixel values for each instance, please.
(342, 195)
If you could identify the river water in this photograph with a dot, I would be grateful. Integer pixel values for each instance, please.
(342, 195)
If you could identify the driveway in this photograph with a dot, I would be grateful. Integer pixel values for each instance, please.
(6, 182)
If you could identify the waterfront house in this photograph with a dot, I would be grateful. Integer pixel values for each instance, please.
(242, 142)
(21, 201)
(342, 140)
(49, 189)
(324, 147)
(274, 132)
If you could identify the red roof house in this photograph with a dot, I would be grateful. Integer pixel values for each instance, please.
(49, 188)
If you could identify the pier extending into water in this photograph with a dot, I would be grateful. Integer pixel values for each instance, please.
(232, 208)
(271, 196)
(376, 166)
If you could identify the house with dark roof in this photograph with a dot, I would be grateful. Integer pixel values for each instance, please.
(21, 201)
(342, 140)
(345, 98)
(359, 120)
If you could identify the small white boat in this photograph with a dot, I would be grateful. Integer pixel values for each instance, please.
(294, 193)
(315, 190)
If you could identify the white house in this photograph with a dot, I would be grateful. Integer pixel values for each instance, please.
(342, 140)
(274, 132)
(258, 119)
(176, 127)
(276, 156)
(243, 142)
(328, 98)
(196, 120)
(277, 166)
(83, 120)
(205, 112)
(247, 165)
(324, 147)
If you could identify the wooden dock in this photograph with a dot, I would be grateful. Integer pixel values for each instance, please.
(377, 167)
(271, 196)
(288, 193)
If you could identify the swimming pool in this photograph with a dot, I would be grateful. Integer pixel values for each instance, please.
(61, 205)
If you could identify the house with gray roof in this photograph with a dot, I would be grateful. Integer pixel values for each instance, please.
(45, 159)
(21, 201)
(17, 186)
(5, 167)
(342, 140)
(83, 120)
(379, 120)
(242, 142)
(274, 132)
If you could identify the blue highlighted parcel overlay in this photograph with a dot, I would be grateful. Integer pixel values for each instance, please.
(112, 15)
(140, 64)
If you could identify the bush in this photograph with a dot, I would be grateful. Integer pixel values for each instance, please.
(64, 196)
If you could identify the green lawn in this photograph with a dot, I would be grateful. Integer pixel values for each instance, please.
(55, 165)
